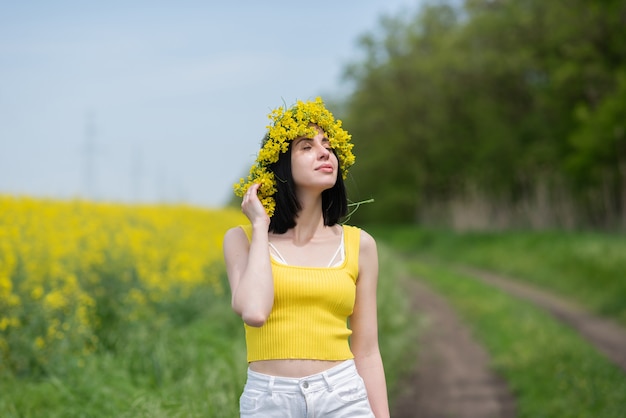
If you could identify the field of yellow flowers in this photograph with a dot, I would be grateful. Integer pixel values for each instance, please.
(75, 276)
(123, 310)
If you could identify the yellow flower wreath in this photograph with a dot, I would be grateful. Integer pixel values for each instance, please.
(287, 125)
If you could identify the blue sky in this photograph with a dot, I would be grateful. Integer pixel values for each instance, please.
(160, 101)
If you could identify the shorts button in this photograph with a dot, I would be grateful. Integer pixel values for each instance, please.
(305, 385)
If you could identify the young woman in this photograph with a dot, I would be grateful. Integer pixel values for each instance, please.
(305, 285)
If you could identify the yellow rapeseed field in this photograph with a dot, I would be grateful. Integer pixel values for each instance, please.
(70, 269)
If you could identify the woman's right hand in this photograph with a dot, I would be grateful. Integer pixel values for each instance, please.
(251, 206)
(248, 263)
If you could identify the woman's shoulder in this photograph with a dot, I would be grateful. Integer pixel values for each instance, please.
(364, 237)
(238, 232)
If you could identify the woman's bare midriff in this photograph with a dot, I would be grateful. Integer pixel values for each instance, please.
(296, 368)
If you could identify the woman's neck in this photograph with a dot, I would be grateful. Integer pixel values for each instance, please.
(309, 221)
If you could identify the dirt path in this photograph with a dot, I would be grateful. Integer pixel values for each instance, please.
(453, 378)
(607, 336)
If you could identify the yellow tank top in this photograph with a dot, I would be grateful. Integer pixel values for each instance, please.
(309, 319)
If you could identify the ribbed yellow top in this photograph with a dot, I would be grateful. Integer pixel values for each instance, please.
(309, 319)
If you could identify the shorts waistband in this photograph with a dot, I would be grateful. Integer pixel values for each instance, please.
(324, 380)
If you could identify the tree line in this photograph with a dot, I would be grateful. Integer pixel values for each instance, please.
(492, 114)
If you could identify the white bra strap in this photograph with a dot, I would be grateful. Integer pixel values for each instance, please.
(339, 252)
(277, 254)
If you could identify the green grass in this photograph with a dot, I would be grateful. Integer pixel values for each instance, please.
(589, 268)
(178, 370)
(396, 321)
(550, 369)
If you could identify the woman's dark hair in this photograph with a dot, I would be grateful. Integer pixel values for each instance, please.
(334, 200)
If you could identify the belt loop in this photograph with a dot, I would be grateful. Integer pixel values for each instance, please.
(270, 386)
(328, 382)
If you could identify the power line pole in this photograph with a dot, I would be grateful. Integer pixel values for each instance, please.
(136, 174)
(161, 184)
(89, 157)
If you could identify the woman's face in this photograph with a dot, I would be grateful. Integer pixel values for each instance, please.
(314, 165)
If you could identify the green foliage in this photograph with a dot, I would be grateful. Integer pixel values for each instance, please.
(599, 144)
(494, 95)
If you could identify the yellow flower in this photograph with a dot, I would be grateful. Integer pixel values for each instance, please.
(285, 126)
(55, 300)
(36, 293)
(5, 323)
(40, 342)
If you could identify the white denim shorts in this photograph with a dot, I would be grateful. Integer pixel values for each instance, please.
(336, 392)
